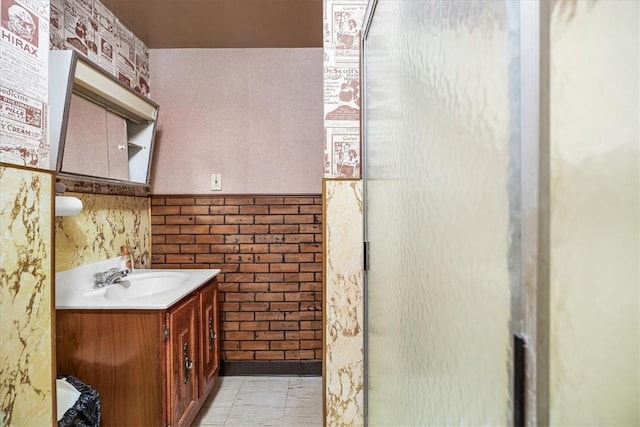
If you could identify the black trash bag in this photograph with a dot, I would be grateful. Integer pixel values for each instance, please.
(86, 411)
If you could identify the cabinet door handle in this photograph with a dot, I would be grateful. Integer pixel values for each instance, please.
(188, 364)
(212, 335)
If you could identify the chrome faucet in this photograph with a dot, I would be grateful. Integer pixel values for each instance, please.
(108, 277)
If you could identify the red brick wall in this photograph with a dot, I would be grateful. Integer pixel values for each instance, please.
(269, 249)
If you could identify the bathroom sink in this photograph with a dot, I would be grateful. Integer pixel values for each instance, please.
(144, 285)
(145, 289)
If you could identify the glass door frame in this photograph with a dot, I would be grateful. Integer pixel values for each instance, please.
(366, 25)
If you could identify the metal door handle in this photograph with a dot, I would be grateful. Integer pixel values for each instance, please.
(188, 364)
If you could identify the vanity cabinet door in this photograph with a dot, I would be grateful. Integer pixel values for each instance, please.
(120, 354)
(210, 361)
(182, 358)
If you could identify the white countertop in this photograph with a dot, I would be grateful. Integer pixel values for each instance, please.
(74, 289)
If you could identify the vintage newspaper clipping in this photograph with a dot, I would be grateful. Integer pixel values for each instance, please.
(126, 55)
(78, 32)
(56, 20)
(345, 146)
(24, 67)
(345, 28)
(342, 92)
(341, 96)
(142, 68)
(106, 39)
(92, 30)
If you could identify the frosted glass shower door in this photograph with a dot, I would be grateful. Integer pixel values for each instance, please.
(438, 128)
(594, 285)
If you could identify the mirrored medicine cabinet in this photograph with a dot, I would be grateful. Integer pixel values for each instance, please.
(100, 129)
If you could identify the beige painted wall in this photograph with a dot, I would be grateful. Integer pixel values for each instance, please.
(253, 115)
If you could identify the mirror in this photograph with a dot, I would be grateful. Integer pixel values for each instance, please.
(99, 129)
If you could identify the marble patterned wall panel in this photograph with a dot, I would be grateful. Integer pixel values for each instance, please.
(342, 30)
(26, 364)
(105, 223)
(343, 362)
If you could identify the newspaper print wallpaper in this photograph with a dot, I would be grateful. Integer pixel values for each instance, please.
(342, 30)
(92, 30)
(24, 69)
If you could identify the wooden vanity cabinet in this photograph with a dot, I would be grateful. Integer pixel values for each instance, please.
(150, 367)
(209, 352)
(182, 351)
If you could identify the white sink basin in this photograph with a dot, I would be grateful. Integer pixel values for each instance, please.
(145, 285)
(146, 289)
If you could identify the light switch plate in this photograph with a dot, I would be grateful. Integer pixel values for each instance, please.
(216, 182)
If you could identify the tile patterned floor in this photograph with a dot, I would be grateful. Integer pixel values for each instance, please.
(263, 401)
